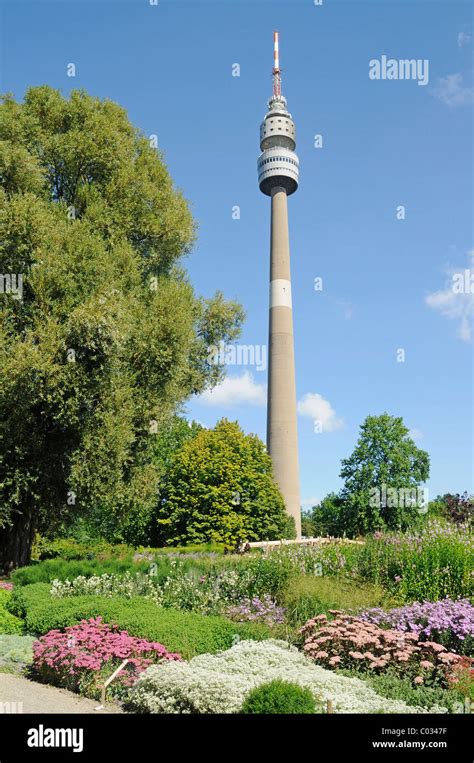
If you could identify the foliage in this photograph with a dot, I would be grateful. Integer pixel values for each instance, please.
(57, 569)
(70, 549)
(9, 623)
(183, 632)
(16, 649)
(219, 488)
(350, 642)
(307, 595)
(83, 656)
(431, 563)
(458, 508)
(448, 622)
(108, 338)
(279, 697)
(328, 519)
(220, 683)
(385, 457)
(391, 686)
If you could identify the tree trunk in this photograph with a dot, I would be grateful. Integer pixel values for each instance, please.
(16, 541)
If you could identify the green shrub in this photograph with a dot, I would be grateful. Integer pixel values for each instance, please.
(70, 549)
(183, 632)
(16, 649)
(279, 697)
(59, 569)
(9, 623)
(193, 548)
(393, 687)
(309, 595)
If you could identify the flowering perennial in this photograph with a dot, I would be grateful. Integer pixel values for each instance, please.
(220, 683)
(257, 609)
(82, 655)
(449, 622)
(350, 642)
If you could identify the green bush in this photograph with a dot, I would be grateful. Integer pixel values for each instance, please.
(16, 649)
(279, 697)
(393, 687)
(59, 569)
(70, 549)
(9, 623)
(183, 632)
(309, 595)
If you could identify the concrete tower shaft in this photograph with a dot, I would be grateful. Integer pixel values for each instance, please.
(278, 174)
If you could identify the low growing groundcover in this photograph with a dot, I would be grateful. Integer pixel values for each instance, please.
(187, 633)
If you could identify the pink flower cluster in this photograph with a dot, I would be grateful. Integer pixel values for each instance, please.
(350, 642)
(6, 586)
(82, 654)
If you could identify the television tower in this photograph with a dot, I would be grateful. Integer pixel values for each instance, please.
(278, 171)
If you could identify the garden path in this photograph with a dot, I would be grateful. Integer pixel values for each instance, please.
(40, 698)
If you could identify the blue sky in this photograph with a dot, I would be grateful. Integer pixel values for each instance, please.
(387, 282)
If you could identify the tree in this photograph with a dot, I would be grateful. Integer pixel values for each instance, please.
(382, 477)
(220, 488)
(458, 508)
(101, 335)
(327, 517)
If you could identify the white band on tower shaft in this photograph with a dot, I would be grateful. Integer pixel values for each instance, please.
(280, 293)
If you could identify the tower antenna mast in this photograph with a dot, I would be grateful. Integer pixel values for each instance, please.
(276, 67)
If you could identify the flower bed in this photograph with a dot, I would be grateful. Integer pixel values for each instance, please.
(82, 656)
(448, 622)
(184, 632)
(220, 683)
(350, 642)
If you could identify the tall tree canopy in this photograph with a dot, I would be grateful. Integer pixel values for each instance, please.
(381, 477)
(107, 338)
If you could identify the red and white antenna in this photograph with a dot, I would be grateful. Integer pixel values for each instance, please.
(276, 67)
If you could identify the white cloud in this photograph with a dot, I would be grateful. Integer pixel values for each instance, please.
(308, 503)
(416, 434)
(235, 390)
(463, 39)
(454, 303)
(320, 410)
(452, 91)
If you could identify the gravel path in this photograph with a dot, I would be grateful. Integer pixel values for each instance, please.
(40, 698)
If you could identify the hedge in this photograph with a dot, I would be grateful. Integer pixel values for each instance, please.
(70, 549)
(187, 633)
(9, 623)
(51, 569)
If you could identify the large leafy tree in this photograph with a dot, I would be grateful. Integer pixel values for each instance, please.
(381, 477)
(108, 338)
(220, 488)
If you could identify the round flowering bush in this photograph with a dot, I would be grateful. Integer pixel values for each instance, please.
(81, 657)
(353, 643)
(220, 683)
(448, 622)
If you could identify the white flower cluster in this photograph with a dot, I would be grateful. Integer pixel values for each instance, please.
(219, 683)
(126, 585)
